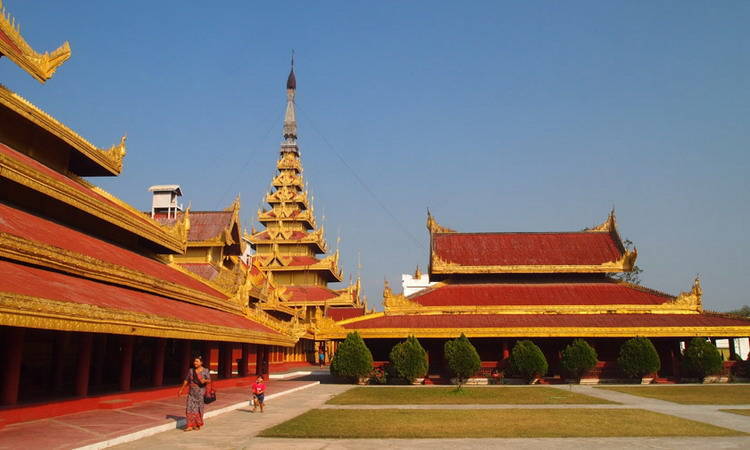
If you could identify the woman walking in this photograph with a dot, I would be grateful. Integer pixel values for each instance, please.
(198, 378)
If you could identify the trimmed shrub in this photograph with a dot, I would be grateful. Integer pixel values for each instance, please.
(409, 359)
(353, 359)
(638, 358)
(701, 358)
(528, 360)
(578, 357)
(463, 359)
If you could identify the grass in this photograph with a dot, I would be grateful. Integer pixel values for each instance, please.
(531, 395)
(742, 412)
(691, 395)
(484, 423)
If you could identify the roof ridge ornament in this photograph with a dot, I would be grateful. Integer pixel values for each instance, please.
(692, 299)
(39, 65)
(435, 227)
(610, 224)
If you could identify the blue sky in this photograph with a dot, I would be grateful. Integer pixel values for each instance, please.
(498, 116)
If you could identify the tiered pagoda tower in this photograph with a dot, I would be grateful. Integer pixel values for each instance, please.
(292, 248)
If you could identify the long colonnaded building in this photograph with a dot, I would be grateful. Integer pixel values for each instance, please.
(498, 288)
(94, 296)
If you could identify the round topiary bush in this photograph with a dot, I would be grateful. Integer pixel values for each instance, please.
(638, 358)
(353, 359)
(409, 359)
(527, 360)
(701, 359)
(578, 357)
(463, 359)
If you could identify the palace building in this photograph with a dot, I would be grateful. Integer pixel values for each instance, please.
(498, 288)
(98, 299)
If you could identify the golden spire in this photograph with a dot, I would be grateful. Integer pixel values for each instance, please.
(417, 273)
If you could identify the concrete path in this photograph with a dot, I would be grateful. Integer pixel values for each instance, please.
(702, 413)
(237, 429)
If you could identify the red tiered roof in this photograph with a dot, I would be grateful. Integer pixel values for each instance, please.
(203, 270)
(33, 228)
(344, 313)
(204, 225)
(57, 176)
(309, 293)
(572, 293)
(523, 249)
(34, 282)
(551, 321)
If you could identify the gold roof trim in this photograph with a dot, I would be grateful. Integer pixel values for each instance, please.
(110, 159)
(692, 299)
(135, 222)
(393, 301)
(515, 332)
(35, 312)
(624, 264)
(39, 65)
(609, 225)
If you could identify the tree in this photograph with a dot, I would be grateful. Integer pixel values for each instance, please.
(638, 358)
(528, 360)
(353, 359)
(702, 358)
(578, 357)
(409, 359)
(634, 276)
(463, 359)
(744, 311)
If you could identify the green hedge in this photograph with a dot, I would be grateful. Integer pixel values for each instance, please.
(409, 359)
(578, 357)
(352, 359)
(701, 358)
(527, 360)
(638, 358)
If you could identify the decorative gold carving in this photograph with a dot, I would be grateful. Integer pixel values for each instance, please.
(35, 312)
(692, 299)
(609, 225)
(109, 159)
(434, 227)
(39, 65)
(393, 301)
(624, 264)
(124, 218)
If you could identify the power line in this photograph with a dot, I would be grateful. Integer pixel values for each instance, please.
(363, 184)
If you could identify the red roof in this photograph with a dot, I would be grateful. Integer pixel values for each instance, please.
(57, 176)
(204, 270)
(572, 293)
(34, 282)
(344, 313)
(309, 293)
(521, 249)
(464, 321)
(303, 261)
(204, 225)
(34, 228)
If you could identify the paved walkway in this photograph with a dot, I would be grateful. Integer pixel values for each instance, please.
(97, 426)
(238, 429)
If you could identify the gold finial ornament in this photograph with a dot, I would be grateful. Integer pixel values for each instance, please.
(434, 227)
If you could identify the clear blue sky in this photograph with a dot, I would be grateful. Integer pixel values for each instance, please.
(499, 116)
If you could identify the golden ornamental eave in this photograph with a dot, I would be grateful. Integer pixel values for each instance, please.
(531, 332)
(12, 44)
(625, 263)
(41, 313)
(109, 159)
(399, 305)
(134, 222)
(38, 253)
(434, 227)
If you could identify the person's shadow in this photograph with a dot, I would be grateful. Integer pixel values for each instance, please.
(179, 421)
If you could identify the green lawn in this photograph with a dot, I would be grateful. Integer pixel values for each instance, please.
(691, 395)
(523, 395)
(480, 423)
(742, 412)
